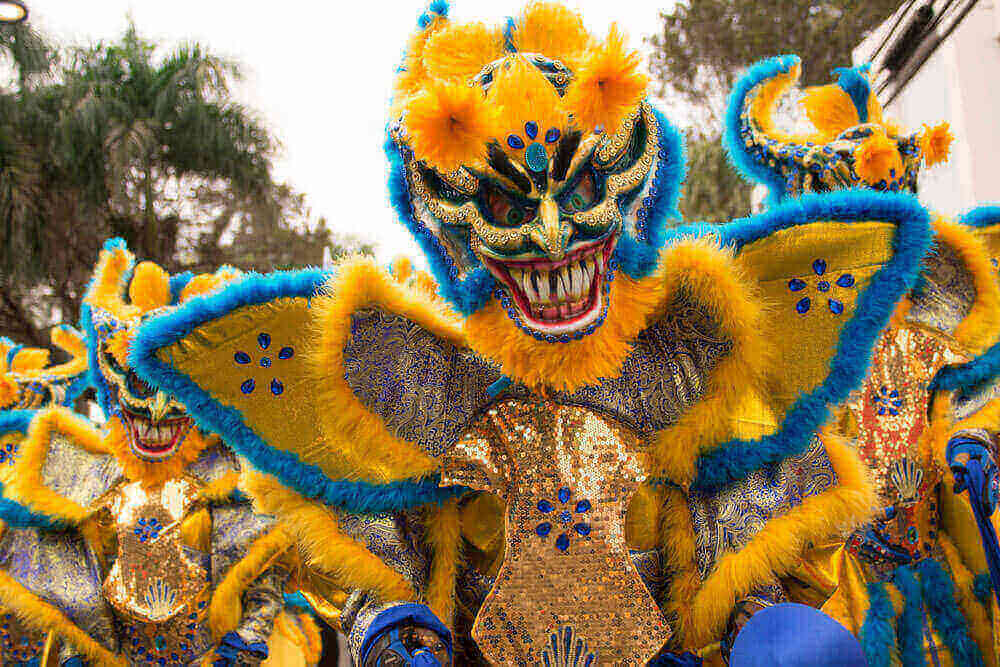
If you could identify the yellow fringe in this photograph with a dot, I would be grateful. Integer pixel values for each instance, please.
(220, 489)
(108, 285)
(444, 535)
(325, 548)
(226, 608)
(553, 30)
(27, 486)
(679, 559)
(458, 52)
(42, 617)
(981, 327)
(778, 547)
(151, 474)
(716, 282)
(370, 450)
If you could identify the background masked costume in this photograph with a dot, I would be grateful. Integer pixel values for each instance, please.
(906, 583)
(132, 545)
(603, 441)
(28, 383)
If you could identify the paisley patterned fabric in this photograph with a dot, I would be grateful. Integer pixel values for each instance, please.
(946, 293)
(728, 520)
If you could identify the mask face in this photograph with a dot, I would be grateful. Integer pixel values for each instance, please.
(156, 424)
(542, 210)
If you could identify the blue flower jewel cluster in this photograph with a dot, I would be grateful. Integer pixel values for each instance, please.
(148, 529)
(823, 285)
(565, 517)
(243, 359)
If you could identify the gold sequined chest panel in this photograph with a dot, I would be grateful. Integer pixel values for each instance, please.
(567, 589)
(157, 585)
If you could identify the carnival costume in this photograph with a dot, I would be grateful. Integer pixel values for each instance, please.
(906, 583)
(604, 442)
(132, 545)
(29, 383)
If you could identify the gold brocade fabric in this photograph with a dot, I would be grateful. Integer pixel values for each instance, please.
(156, 584)
(567, 581)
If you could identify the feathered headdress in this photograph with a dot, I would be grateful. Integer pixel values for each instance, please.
(853, 143)
(463, 87)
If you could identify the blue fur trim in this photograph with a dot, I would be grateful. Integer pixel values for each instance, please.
(910, 626)
(16, 515)
(876, 631)
(16, 421)
(436, 8)
(740, 157)
(982, 586)
(735, 459)
(468, 295)
(177, 284)
(982, 216)
(12, 352)
(115, 243)
(508, 35)
(852, 81)
(939, 596)
(167, 328)
(298, 602)
(640, 257)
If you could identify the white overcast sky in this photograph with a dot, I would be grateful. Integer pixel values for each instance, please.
(319, 74)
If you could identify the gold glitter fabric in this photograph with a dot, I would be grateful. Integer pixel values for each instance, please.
(566, 474)
(890, 412)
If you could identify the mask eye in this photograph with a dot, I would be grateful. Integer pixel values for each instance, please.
(138, 387)
(506, 212)
(582, 196)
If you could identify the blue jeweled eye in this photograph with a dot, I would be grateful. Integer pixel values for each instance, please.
(531, 129)
(552, 136)
(264, 340)
(242, 358)
(276, 387)
(515, 142)
(286, 353)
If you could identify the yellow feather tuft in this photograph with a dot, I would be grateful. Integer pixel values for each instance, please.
(412, 74)
(457, 53)
(37, 614)
(829, 109)
(118, 345)
(552, 30)
(444, 535)
(402, 268)
(69, 341)
(935, 144)
(150, 287)
(521, 93)
(608, 85)
(199, 285)
(448, 125)
(325, 548)
(8, 392)
(226, 608)
(29, 359)
(876, 158)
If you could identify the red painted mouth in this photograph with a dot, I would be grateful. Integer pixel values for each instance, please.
(556, 297)
(155, 441)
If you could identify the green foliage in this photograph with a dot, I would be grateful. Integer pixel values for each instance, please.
(702, 47)
(119, 139)
(714, 191)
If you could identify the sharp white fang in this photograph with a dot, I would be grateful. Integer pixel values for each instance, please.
(529, 291)
(586, 267)
(543, 286)
(577, 277)
(562, 288)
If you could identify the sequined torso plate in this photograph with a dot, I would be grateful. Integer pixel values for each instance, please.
(890, 411)
(157, 586)
(567, 592)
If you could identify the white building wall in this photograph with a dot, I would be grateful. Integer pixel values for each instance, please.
(959, 83)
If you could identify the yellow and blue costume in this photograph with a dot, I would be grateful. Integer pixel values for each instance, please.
(131, 544)
(29, 383)
(605, 438)
(919, 558)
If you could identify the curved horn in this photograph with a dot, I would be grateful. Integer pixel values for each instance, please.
(107, 288)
